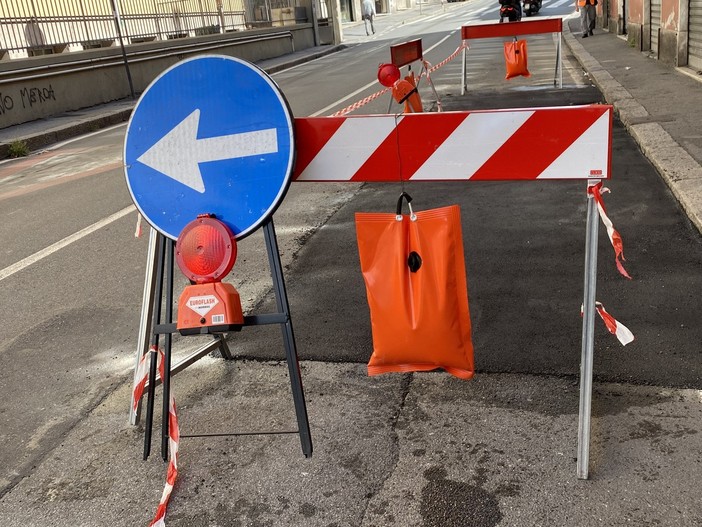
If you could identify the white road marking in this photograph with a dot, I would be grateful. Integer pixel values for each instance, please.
(51, 249)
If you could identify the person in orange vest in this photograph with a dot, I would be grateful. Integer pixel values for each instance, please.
(588, 15)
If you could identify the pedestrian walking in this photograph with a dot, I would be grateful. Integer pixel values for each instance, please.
(368, 8)
(588, 15)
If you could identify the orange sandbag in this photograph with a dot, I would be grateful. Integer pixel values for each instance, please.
(516, 59)
(414, 270)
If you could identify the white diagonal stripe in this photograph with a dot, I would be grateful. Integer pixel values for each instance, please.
(473, 142)
(589, 152)
(350, 146)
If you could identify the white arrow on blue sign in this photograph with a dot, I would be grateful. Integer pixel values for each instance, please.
(211, 134)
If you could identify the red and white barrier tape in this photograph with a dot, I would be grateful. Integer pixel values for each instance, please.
(138, 231)
(447, 59)
(623, 334)
(363, 102)
(614, 326)
(614, 237)
(140, 378)
(173, 433)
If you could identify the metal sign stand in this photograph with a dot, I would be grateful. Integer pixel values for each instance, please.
(454, 164)
(588, 339)
(524, 27)
(405, 54)
(161, 258)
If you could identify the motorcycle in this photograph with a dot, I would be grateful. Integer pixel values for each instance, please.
(531, 7)
(511, 10)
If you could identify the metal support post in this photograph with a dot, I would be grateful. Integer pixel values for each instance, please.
(156, 299)
(558, 77)
(115, 14)
(166, 381)
(463, 71)
(146, 316)
(281, 299)
(588, 338)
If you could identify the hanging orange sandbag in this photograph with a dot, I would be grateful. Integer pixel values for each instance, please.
(516, 59)
(414, 270)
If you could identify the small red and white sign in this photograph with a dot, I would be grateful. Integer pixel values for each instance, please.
(498, 145)
(202, 304)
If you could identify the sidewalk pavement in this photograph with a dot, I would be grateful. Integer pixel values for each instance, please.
(660, 106)
(44, 132)
(403, 450)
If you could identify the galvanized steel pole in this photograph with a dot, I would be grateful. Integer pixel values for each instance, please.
(588, 338)
(115, 13)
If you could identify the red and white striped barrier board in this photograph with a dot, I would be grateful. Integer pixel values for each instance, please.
(568, 143)
(525, 27)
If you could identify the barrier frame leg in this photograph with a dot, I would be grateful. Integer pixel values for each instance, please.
(588, 339)
(281, 298)
(159, 296)
(558, 74)
(153, 353)
(167, 349)
(464, 72)
(146, 315)
(431, 84)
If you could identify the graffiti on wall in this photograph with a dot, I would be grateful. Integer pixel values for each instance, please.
(7, 103)
(26, 97)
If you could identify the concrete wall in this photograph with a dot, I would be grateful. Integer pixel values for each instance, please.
(613, 16)
(39, 87)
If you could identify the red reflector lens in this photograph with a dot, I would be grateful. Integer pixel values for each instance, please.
(388, 74)
(206, 250)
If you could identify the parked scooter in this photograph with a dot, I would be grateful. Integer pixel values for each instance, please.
(531, 7)
(511, 10)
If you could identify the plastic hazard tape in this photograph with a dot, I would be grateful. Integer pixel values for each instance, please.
(575, 143)
(173, 433)
(623, 334)
(428, 69)
(362, 102)
(432, 69)
(614, 237)
(140, 377)
(138, 230)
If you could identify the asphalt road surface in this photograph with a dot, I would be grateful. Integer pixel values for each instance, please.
(71, 310)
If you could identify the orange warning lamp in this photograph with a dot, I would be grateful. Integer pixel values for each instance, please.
(403, 90)
(388, 74)
(205, 253)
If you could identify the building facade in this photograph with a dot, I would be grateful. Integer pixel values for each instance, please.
(671, 30)
(351, 9)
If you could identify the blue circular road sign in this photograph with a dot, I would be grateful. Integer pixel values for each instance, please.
(211, 134)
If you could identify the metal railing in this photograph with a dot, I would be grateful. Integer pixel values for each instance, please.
(39, 27)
